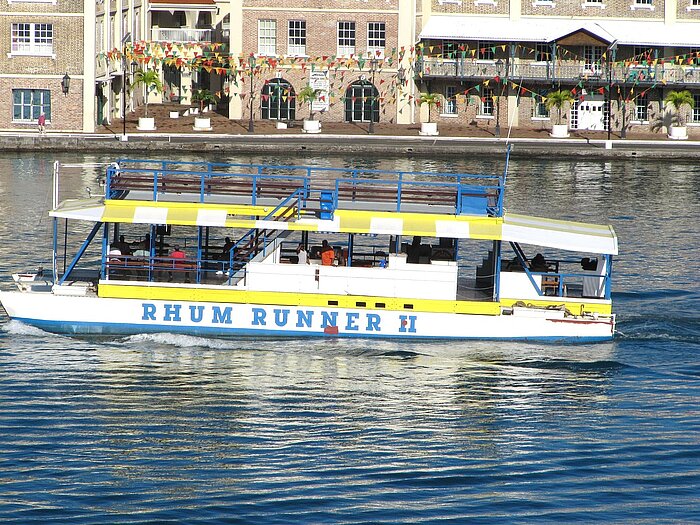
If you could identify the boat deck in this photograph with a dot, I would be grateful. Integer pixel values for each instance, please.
(319, 189)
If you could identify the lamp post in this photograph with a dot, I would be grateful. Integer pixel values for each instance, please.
(499, 65)
(125, 40)
(611, 50)
(65, 84)
(251, 67)
(373, 68)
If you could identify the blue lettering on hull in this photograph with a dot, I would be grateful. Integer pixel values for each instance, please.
(287, 319)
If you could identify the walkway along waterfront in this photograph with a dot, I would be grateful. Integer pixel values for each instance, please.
(342, 138)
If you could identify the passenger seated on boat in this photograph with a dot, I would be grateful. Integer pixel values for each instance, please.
(425, 251)
(143, 246)
(114, 255)
(122, 246)
(589, 264)
(226, 250)
(341, 255)
(178, 257)
(539, 263)
(327, 254)
(514, 265)
(413, 251)
(303, 257)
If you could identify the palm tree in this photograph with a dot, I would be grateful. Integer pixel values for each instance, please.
(678, 99)
(432, 100)
(204, 97)
(151, 80)
(557, 99)
(309, 95)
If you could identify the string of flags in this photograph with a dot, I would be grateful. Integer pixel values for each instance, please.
(214, 58)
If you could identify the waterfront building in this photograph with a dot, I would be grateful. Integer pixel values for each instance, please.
(46, 46)
(492, 62)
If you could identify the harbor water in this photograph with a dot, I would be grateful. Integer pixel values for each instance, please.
(177, 429)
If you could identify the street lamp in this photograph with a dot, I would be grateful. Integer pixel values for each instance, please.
(373, 68)
(499, 65)
(251, 67)
(65, 84)
(611, 50)
(125, 40)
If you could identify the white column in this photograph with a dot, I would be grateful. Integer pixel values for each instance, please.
(235, 108)
(88, 66)
(407, 39)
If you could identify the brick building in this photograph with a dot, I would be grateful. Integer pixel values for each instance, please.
(491, 61)
(494, 61)
(357, 53)
(42, 66)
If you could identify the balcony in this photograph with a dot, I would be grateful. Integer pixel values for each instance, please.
(561, 71)
(183, 34)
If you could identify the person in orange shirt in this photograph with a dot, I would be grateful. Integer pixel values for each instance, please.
(327, 254)
(179, 257)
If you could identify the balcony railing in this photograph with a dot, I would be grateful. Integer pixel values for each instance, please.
(564, 71)
(183, 34)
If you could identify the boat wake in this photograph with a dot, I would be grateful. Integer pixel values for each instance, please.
(19, 328)
(182, 341)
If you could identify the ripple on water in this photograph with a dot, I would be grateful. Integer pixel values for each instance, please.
(165, 428)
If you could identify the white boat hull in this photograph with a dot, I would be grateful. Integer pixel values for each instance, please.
(107, 316)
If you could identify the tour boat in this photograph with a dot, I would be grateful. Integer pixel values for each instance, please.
(268, 250)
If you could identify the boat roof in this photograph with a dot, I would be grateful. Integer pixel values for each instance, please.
(565, 235)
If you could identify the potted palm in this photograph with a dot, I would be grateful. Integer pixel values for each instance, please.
(431, 100)
(558, 99)
(309, 95)
(150, 79)
(678, 100)
(204, 98)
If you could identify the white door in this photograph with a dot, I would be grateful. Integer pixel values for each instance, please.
(591, 115)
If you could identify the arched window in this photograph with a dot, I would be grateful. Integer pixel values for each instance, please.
(361, 102)
(278, 101)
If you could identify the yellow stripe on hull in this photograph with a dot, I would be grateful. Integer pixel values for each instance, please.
(575, 307)
(230, 295)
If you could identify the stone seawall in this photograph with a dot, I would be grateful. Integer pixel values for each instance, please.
(354, 144)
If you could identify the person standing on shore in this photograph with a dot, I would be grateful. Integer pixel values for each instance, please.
(41, 121)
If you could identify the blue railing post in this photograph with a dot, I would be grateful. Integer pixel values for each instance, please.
(399, 187)
(108, 181)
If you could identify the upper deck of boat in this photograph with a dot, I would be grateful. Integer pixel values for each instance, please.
(319, 190)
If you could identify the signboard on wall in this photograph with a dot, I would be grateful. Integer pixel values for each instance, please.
(319, 80)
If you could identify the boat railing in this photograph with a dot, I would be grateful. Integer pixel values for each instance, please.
(462, 198)
(465, 193)
(150, 268)
(160, 183)
(564, 284)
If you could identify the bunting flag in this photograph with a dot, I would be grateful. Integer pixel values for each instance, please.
(216, 59)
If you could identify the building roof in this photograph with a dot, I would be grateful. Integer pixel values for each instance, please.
(549, 29)
(183, 2)
(182, 5)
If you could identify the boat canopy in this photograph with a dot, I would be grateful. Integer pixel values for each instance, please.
(565, 235)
